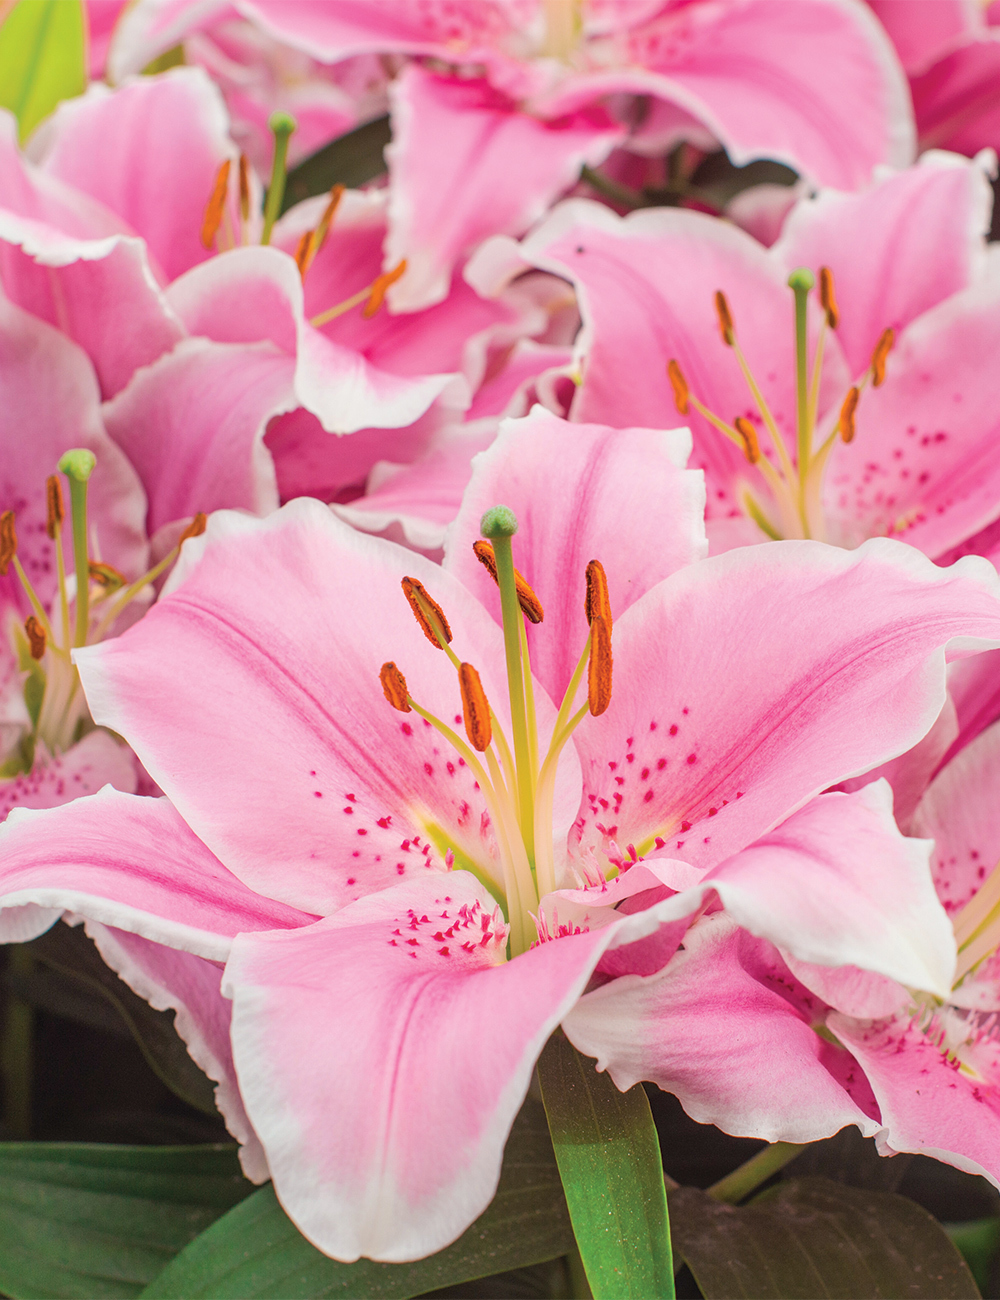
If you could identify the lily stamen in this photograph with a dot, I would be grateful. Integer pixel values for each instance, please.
(216, 205)
(521, 804)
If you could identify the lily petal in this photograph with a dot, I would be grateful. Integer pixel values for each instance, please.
(129, 861)
(358, 1016)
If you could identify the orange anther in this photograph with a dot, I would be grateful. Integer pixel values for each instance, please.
(195, 528)
(424, 609)
(380, 286)
(882, 349)
(244, 188)
(845, 425)
(682, 394)
(597, 603)
(36, 636)
(599, 667)
(751, 448)
(726, 327)
(55, 510)
(475, 708)
(213, 211)
(828, 297)
(394, 687)
(8, 540)
(531, 606)
(105, 575)
(303, 252)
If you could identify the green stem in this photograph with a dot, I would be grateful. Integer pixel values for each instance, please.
(758, 1169)
(511, 612)
(801, 282)
(282, 125)
(17, 1049)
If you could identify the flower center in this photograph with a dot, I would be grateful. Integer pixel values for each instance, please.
(97, 594)
(220, 230)
(794, 483)
(517, 782)
(563, 28)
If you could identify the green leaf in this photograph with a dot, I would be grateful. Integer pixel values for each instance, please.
(42, 59)
(609, 1160)
(350, 160)
(94, 1221)
(978, 1240)
(810, 1237)
(255, 1251)
(67, 950)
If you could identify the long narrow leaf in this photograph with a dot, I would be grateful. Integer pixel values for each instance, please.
(256, 1253)
(609, 1161)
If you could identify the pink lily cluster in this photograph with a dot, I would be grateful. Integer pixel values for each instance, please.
(479, 611)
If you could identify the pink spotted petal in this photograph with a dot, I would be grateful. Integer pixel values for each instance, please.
(283, 676)
(747, 73)
(922, 464)
(148, 151)
(254, 295)
(387, 1162)
(927, 1102)
(129, 862)
(944, 203)
(731, 728)
(190, 987)
(646, 286)
(93, 762)
(453, 138)
(806, 886)
(193, 426)
(726, 1028)
(959, 812)
(620, 496)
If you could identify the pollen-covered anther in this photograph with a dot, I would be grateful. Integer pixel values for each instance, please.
(54, 507)
(475, 708)
(882, 349)
(35, 633)
(751, 447)
(326, 220)
(244, 188)
(8, 540)
(599, 667)
(845, 424)
(303, 252)
(105, 576)
(682, 394)
(195, 528)
(531, 606)
(379, 288)
(394, 687)
(828, 297)
(597, 603)
(726, 327)
(216, 205)
(424, 609)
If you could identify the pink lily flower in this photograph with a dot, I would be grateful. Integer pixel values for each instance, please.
(49, 750)
(951, 53)
(223, 345)
(838, 403)
(385, 863)
(533, 78)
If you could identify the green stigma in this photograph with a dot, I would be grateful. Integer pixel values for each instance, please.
(498, 522)
(78, 464)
